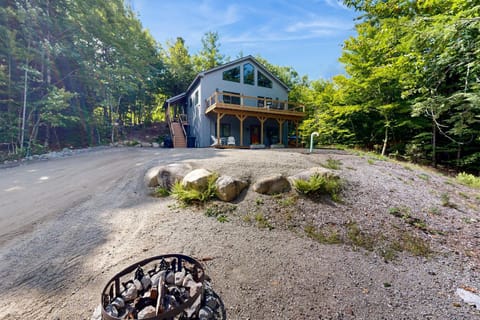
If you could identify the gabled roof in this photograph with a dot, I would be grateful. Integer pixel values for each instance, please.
(234, 62)
(178, 97)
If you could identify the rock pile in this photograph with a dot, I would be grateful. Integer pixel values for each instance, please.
(173, 288)
(227, 188)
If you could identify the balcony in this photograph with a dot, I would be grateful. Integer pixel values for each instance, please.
(241, 105)
(261, 108)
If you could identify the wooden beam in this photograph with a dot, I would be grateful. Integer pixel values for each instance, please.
(219, 117)
(262, 121)
(296, 133)
(241, 118)
(280, 131)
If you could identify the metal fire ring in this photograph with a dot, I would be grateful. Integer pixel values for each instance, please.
(112, 289)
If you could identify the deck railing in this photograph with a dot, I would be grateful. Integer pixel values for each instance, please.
(231, 99)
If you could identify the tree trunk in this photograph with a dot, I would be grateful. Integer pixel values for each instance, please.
(385, 141)
(25, 88)
(434, 144)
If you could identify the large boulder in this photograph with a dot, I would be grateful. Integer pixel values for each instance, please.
(272, 185)
(228, 188)
(197, 179)
(168, 175)
(307, 174)
(151, 176)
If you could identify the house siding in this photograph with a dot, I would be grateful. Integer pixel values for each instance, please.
(202, 127)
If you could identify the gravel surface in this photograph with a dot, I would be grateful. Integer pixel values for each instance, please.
(405, 238)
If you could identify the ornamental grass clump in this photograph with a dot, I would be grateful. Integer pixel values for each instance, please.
(190, 195)
(318, 184)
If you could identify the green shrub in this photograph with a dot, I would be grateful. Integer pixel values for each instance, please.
(468, 180)
(161, 192)
(318, 184)
(189, 196)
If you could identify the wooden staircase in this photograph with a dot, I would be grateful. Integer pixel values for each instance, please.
(179, 139)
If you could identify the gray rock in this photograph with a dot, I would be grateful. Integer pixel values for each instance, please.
(151, 176)
(197, 179)
(228, 188)
(469, 297)
(147, 312)
(129, 294)
(307, 174)
(168, 175)
(146, 144)
(272, 185)
(156, 145)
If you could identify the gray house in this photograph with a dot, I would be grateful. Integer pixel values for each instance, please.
(238, 104)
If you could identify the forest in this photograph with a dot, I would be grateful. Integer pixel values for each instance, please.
(72, 71)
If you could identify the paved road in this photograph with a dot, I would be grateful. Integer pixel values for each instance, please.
(33, 193)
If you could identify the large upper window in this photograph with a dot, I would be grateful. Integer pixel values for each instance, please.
(248, 74)
(263, 81)
(232, 74)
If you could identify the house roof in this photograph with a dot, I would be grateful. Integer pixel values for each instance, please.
(231, 63)
(177, 98)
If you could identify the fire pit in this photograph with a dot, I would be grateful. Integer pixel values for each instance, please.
(171, 286)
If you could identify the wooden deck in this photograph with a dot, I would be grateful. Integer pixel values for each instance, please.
(242, 107)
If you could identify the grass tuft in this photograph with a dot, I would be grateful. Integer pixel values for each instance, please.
(332, 164)
(189, 196)
(326, 235)
(318, 184)
(161, 192)
(358, 238)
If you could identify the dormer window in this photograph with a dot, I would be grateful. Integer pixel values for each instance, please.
(248, 74)
(263, 81)
(232, 74)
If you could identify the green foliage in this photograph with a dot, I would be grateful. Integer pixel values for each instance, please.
(445, 200)
(333, 164)
(325, 235)
(220, 212)
(161, 192)
(468, 180)
(318, 184)
(190, 195)
(262, 221)
(359, 238)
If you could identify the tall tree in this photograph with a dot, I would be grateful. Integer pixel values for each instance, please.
(209, 56)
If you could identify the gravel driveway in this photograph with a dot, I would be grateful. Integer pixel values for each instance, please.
(68, 225)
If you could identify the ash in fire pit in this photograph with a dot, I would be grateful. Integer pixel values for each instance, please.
(163, 287)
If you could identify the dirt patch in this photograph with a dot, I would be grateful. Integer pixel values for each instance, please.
(283, 257)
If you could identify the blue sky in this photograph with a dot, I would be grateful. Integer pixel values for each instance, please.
(304, 34)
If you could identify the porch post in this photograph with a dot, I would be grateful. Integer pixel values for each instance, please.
(296, 133)
(262, 121)
(241, 118)
(280, 131)
(219, 117)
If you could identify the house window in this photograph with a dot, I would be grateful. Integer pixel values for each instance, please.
(225, 130)
(195, 98)
(231, 97)
(232, 74)
(248, 74)
(263, 81)
(262, 100)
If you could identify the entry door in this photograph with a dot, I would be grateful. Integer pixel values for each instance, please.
(254, 134)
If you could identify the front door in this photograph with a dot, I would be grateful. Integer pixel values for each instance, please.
(254, 134)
